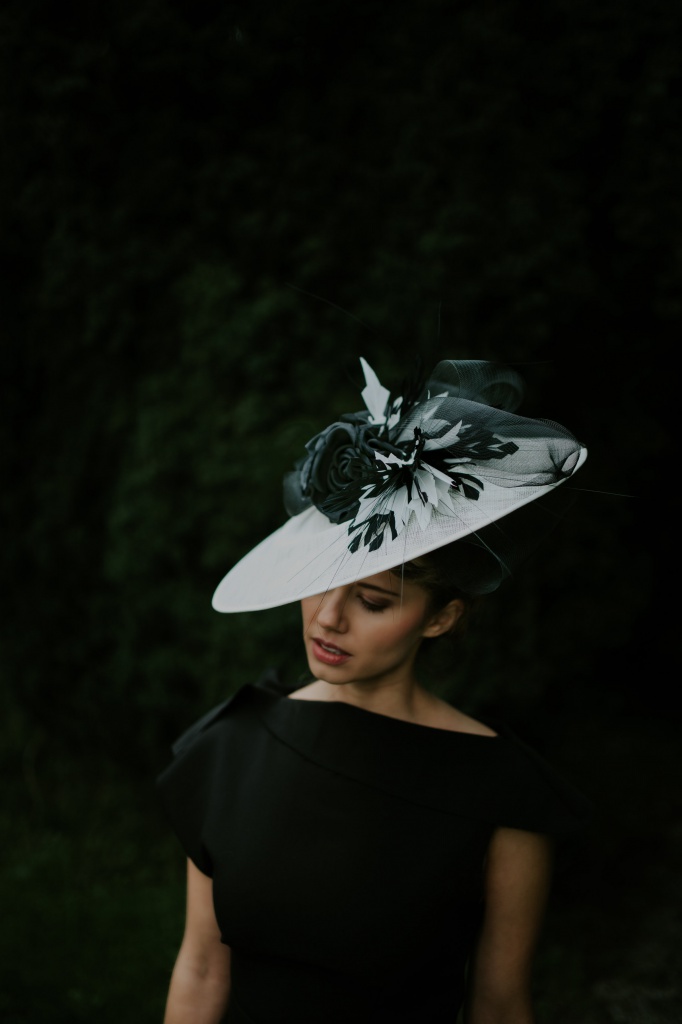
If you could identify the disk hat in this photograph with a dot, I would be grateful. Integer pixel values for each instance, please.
(440, 464)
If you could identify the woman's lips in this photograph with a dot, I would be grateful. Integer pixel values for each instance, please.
(329, 654)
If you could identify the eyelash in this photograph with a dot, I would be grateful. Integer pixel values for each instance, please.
(371, 607)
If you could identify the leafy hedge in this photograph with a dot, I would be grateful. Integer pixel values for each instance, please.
(212, 211)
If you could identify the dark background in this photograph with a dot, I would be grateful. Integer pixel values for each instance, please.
(210, 211)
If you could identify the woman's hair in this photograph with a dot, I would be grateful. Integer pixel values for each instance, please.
(431, 574)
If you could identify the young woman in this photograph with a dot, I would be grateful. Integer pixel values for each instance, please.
(359, 849)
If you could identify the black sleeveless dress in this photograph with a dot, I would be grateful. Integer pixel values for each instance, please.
(346, 850)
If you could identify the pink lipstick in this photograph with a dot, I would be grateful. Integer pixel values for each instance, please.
(329, 654)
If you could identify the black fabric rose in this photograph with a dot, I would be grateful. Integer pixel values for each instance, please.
(341, 462)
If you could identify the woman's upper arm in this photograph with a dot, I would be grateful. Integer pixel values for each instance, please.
(517, 880)
(201, 945)
(200, 982)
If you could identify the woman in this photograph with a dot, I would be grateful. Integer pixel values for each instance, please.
(359, 849)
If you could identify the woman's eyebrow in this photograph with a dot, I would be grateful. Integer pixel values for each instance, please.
(382, 590)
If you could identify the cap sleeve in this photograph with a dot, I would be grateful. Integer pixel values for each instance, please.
(534, 797)
(186, 785)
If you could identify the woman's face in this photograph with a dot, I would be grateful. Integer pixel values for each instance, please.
(367, 631)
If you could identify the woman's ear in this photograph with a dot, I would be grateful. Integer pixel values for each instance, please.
(445, 619)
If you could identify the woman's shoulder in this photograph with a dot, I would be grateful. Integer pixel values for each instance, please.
(228, 710)
(534, 792)
(513, 783)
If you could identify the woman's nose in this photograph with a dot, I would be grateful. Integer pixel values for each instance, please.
(332, 611)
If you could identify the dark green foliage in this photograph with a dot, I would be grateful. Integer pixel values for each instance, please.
(468, 182)
(210, 212)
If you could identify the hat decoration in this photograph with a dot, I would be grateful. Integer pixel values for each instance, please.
(404, 476)
(377, 468)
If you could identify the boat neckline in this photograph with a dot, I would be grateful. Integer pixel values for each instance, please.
(389, 718)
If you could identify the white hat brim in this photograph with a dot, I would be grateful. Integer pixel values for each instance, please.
(308, 555)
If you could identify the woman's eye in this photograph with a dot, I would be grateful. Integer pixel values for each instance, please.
(370, 606)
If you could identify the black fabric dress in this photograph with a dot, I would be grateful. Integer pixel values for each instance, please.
(346, 850)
